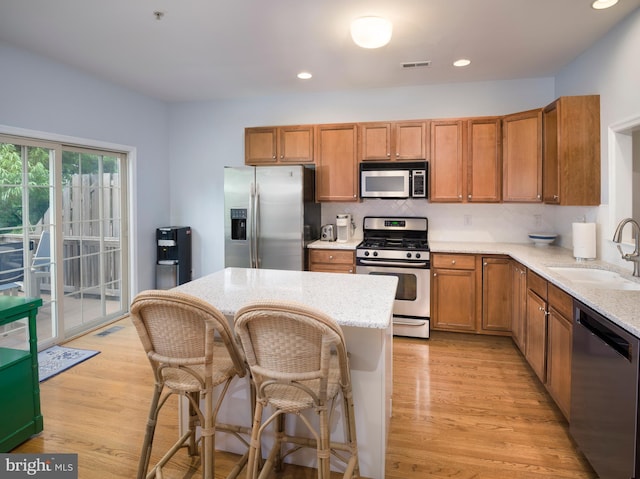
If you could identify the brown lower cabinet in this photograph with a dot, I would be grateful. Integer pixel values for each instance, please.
(471, 293)
(519, 304)
(548, 341)
(559, 345)
(497, 294)
(453, 292)
(332, 261)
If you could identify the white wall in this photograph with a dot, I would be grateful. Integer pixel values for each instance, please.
(54, 101)
(207, 136)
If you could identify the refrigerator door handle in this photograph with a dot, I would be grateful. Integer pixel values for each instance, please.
(252, 236)
(257, 226)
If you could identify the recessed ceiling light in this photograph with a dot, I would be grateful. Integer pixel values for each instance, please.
(602, 4)
(371, 32)
(304, 75)
(463, 62)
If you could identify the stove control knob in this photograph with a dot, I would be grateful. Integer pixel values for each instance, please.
(375, 253)
(417, 255)
(366, 253)
(408, 255)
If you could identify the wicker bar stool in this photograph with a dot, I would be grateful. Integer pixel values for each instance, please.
(191, 350)
(298, 361)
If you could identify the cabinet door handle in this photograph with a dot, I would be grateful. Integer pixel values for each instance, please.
(330, 256)
(435, 274)
(469, 196)
(453, 261)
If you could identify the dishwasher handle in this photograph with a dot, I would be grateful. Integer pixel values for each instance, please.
(611, 338)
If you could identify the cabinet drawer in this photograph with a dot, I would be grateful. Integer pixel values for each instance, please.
(537, 284)
(561, 301)
(331, 256)
(453, 261)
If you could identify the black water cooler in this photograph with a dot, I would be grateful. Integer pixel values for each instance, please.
(173, 259)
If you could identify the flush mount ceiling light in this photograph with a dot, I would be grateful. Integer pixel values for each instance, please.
(463, 62)
(602, 4)
(304, 75)
(371, 32)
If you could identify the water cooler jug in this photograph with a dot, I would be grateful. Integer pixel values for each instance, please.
(173, 260)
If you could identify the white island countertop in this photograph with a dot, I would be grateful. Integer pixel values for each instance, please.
(361, 301)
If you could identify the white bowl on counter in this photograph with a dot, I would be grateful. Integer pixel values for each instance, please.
(542, 239)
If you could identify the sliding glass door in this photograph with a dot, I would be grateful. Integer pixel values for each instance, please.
(93, 251)
(69, 248)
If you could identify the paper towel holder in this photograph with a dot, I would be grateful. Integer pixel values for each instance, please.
(584, 241)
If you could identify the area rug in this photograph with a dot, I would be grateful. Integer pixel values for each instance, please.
(57, 359)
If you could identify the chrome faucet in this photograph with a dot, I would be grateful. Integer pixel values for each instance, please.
(617, 238)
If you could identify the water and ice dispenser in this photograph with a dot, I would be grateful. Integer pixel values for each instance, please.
(173, 257)
(238, 224)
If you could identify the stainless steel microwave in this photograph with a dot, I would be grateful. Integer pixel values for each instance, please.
(393, 179)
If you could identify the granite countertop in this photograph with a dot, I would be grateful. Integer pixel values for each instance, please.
(362, 301)
(350, 245)
(620, 306)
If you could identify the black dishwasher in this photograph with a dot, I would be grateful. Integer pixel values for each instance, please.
(604, 394)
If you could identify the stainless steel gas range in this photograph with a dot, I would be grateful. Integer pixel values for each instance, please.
(399, 246)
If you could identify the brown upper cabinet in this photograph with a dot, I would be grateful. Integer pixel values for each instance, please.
(571, 151)
(484, 160)
(277, 145)
(336, 162)
(522, 157)
(446, 173)
(391, 141)
(466, 163)
(549, 154)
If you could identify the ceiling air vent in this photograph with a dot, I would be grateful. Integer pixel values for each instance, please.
(420, 64)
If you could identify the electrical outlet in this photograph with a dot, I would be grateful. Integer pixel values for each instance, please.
(467, 220)
(537, 220)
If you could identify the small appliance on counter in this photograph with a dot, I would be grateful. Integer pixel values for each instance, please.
(328, 233)
(344, 227)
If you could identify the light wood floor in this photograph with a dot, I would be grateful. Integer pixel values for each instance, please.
(464, 407)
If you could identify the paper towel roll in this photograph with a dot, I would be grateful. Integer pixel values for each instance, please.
(584, 240)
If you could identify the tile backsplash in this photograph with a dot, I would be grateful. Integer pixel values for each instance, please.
(502, 222)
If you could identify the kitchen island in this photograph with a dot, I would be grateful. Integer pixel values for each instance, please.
(361, 304)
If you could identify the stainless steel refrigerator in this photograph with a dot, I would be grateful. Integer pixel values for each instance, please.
(270, 215)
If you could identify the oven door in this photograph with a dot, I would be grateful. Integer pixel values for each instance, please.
(411, 307)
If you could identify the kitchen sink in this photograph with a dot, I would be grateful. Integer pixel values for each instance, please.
(596, 278)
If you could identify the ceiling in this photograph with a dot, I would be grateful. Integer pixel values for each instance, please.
(217, 49)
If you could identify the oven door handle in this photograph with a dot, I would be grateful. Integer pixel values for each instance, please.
(393, 263)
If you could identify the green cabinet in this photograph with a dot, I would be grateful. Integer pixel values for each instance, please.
(19, 388)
